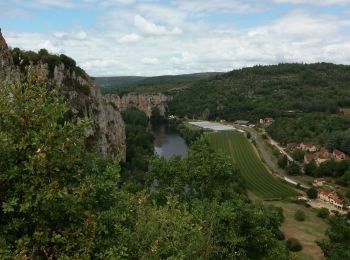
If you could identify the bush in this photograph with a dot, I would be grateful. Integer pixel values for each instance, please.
(312, 193)
(294, 245)
(280, 235)
(299, 215)
(323, 213)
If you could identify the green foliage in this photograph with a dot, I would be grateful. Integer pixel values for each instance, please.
(345, 179)
(333, 168)
(53, 193)
(156, 117)
(298, 155)
(189, 133)
(337, 244)
(299, 215)
(323, 213)
(294, 245)
(263, 91)
(202, 174)
(293, 169)
(139, 144)
(282, 162)
(312, 193)
(311, 168)
(317, 127)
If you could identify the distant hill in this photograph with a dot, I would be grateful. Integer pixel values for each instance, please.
(124, 84)
(264, 91)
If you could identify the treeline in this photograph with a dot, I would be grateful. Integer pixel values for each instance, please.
(266, 91)
(321, 128)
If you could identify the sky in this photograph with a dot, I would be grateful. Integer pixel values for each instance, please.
(161, 37)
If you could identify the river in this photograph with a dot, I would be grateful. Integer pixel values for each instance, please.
(168, 142)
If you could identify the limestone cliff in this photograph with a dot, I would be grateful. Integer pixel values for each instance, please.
(82, 96)
(144, 102)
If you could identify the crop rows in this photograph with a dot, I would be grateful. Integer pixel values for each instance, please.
(257, 177)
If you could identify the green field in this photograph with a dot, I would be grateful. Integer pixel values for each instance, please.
(258, 178)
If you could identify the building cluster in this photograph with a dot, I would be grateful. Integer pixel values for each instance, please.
(330, 197)
(319, 155)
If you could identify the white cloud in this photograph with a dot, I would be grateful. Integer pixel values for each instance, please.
(130, 38)
(315, 2)
(148, 28)
(150, 61)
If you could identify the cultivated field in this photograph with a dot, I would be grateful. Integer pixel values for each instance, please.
(258, 178)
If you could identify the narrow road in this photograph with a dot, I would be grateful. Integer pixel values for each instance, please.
(266, 155)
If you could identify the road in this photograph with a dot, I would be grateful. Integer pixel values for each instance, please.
(266, 155)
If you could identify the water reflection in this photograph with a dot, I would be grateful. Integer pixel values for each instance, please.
(168, 142)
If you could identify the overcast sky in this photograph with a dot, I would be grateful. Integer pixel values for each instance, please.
(150, 37)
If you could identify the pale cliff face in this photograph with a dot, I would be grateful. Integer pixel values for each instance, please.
(108, 129)
(144, 102)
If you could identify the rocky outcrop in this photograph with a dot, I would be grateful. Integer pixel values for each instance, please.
(83, 98)
(7, 68)
(144, 102)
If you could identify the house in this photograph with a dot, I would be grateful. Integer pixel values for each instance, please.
(293, 146)
(242, 122)
(319, 182)
(266, 121)
(339, 155)
(330, 197)
(323, 156)
(308, 146)
(308, 158)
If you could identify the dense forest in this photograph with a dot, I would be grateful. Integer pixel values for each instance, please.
(266, 91)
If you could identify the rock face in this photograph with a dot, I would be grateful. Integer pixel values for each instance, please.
(144, 102)
(83, 98)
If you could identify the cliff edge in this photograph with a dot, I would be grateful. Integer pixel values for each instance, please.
(78, 89)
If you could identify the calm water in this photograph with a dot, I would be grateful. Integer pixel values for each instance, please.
(168, 142)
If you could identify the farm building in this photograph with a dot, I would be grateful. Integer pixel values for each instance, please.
(242, 122)
(308, 146)
(319, 182)
(323, 155)
(330, 197)
(339, 155)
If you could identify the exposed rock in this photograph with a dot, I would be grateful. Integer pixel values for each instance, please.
(144, 102)
(83, 98)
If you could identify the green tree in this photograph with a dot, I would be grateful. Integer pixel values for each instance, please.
(312, 193)
(53, 193)
(337, 244)
(323, 213)
(282, 162)
(299, 215)
(298, 155)
(310, 168)
(293, 169)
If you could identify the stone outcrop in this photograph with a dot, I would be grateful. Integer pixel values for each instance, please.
(144, 102)
(83, 98)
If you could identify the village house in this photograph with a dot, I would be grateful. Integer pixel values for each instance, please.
(242, 122)
(308, 158)
(339, 155)
(308, 146)
(323, 156)
(319, 182)
(266, 121)
(330, 197)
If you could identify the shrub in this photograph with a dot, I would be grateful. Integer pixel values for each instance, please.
(312, 193)
(280, 235)
(323, 213)
(299, 215)
(294, 245)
